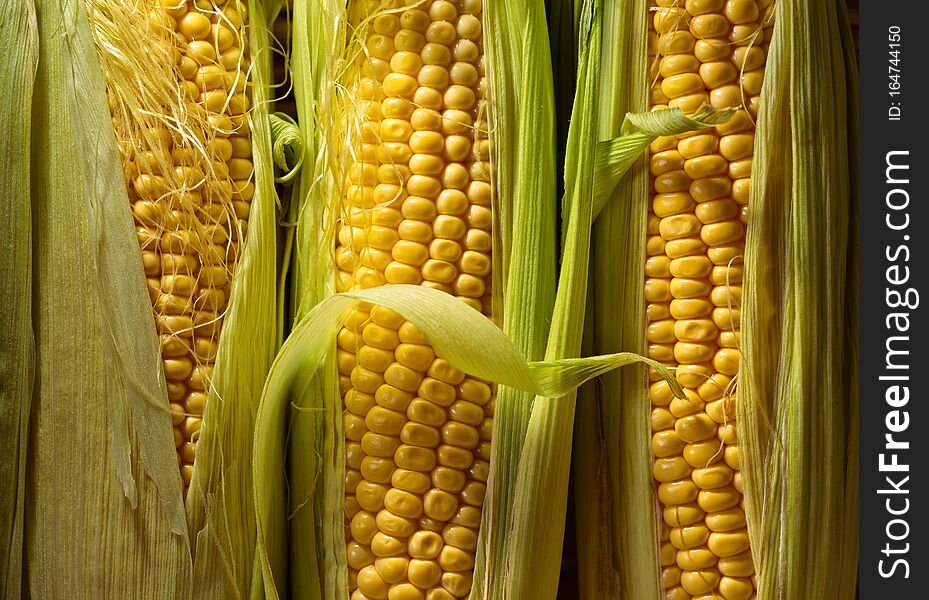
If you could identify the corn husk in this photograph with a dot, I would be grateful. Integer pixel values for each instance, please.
(524, 253)
(287, 146)
(618, 315)
(288, 503)
(18, 42)
(588, 461)
(797, 396)
(593, 541)
(105, 511)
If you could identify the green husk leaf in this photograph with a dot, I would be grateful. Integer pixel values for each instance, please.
(797, 395)
(318, 31)
(566, 374)
(522, 131)
(532, 554)
(288, 148)
(220, 502)
(470, 343)
(673, 121)
(296, 561)
(618, 261)
(18, 42)
(102, 468)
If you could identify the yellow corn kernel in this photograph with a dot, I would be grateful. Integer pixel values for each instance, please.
(700, 581)
(694, 559)
(403, 503)
(729, 543)
(670, 469)
(404, 591)
(726, 520)
(739, 565)
(719, 499)
(392, 569)
(386, 545)
(677, 492)
(666, 443)
(371, 583)
(692, 536)
(455, 560)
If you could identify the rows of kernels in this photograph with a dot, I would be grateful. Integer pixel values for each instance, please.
(417, 207)
(416, 210)
(713, 52)
(417, 444)
(190, 231)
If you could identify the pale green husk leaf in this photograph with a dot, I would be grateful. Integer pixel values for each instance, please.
(288, 149)
(291, 534)
(797, 396)
(522, 131)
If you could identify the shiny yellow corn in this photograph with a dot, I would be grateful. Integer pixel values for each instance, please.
(416, 210)
(191, 200)
(713, 52)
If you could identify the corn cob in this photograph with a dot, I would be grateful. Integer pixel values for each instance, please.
(701, 51)
(416, 210)
(191, 197)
